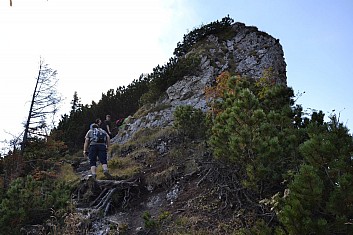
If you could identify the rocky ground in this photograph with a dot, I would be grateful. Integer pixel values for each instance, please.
(168, 196)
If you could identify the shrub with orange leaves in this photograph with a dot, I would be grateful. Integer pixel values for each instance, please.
(225, 85)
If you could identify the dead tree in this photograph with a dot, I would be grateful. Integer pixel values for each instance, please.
(44, 104)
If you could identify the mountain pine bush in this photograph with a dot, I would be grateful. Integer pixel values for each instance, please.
(274, 148)
(28, 201)
(190, 122)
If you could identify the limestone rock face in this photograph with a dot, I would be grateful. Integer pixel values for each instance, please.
(246, 51)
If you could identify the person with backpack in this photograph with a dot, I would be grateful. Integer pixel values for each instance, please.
(96, 144)
(98, 121)
(119, 122)
(118, 125)
(106, 125)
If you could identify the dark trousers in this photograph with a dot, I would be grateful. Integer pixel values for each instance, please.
(97, 150)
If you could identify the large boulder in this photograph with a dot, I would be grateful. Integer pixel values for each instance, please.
(247, 52)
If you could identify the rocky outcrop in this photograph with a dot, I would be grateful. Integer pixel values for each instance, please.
(172, 171)
(244, 51)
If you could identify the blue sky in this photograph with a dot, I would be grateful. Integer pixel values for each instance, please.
(316, 37)
(109, 43)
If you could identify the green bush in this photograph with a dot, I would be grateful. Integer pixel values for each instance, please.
(150, 223)
(254, 138)
(320, 198)
(28, 201)
(200, 33)
(190, 122)
(165, 76)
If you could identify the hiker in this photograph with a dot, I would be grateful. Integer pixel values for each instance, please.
(97, 142)
(118, 125)
(98, 121)
(106, 125)
(119, 122)
(124, 122)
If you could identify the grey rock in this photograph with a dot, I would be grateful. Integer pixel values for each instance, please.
(248, 53)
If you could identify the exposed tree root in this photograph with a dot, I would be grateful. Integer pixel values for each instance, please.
(235, 198)
(95, 196)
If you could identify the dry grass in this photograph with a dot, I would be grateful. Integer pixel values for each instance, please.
(164, 177)
(121, 167)
(146, 135)
(67, 173)
(143, 111)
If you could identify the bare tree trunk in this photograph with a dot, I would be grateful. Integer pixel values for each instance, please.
(25, 135)
(44, 103)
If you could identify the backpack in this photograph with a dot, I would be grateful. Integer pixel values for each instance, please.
(119, 122)
(99, 136)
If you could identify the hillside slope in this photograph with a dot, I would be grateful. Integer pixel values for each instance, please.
(168, 191)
